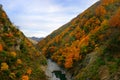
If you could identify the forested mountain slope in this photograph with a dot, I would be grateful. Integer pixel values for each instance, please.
(19, 60)
(89, 45)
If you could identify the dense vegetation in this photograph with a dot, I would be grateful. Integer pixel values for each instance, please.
(19, 60)
(89, 45)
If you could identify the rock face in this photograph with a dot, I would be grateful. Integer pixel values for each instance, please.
(54, 72)
(89, 43)
(19, 60)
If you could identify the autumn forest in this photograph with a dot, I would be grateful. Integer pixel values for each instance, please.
(87, 47)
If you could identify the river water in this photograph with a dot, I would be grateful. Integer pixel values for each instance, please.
(54, 72)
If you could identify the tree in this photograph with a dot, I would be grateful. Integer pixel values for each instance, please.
(104, 23)
(4, 66)
(100, 11)
(13, 54)
(19, 61)
(29, 71)
(115, 20)
(107, 2)
(25, 77)
(1, 48)
(68, 63)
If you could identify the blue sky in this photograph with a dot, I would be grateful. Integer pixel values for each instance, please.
(40, 17)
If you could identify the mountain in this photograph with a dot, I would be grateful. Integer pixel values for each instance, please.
(88, 46)
(33, 41)
(36, 38)
(19, 59)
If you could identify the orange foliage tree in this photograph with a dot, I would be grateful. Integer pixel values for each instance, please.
(3, 14)
(100, 11)
(25, 77)
(107, 2)
(69, 61)
(29, 71)
(1, 48)
(9, 35)
(52, 49)
(115, 20)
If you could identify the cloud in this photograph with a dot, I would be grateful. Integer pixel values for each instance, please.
(41, 17)
(34, 33)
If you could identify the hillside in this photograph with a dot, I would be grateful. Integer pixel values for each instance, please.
(88, 46)
(19, 60)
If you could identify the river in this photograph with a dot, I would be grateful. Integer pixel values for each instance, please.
(54, 72)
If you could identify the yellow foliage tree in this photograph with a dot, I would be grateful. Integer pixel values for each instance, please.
(104, 23)
(13, 54)
(12, 75)
(19, 61)
(4, 66)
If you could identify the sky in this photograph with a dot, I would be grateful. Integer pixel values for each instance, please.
(41, 17)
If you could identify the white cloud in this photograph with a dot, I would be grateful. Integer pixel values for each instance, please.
(34, 33)
(41, 17)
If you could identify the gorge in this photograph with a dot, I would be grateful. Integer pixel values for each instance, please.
(54, 72)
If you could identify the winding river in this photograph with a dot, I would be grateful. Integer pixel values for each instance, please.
(54, 72)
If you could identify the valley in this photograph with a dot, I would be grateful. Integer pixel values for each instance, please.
(85, 48)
